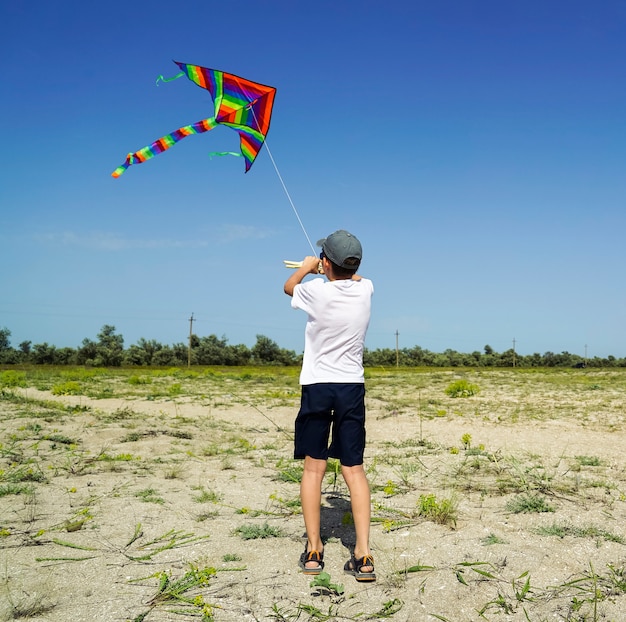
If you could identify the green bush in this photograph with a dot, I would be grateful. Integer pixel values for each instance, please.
(462, 388)
(528, 503)
(12, 378)
(71, 387)
(442, 511)
(139, 380)
(254, 532)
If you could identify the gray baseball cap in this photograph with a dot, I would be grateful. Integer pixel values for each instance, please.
(343, 249)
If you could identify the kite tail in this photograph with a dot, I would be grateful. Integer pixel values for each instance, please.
(162, 79)
(225, 153)
(164, 143)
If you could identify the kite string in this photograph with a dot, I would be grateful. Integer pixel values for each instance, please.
(293, 207)
(295, 211)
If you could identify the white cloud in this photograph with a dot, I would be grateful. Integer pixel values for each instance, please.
(233, 233)
(114, 242)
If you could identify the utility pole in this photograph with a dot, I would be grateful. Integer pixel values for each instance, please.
(189, 347)
(585, 354)
(397, 351)
(513, 351)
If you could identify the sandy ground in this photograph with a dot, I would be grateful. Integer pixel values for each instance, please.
(130, 491)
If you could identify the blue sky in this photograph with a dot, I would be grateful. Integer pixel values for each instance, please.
(477, 149)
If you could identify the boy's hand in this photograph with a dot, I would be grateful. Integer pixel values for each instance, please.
(313, 265)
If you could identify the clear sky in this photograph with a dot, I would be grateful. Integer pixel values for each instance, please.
(476, 147)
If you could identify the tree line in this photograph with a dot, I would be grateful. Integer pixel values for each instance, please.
(108, 351)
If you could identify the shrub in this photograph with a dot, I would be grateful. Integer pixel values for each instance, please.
(71, 387)
(135, 380)
(528, 503)
(442, 511)
(12, 378)
(254, 532)
(462, 388)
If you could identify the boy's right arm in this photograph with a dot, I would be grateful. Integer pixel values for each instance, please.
(310, 265)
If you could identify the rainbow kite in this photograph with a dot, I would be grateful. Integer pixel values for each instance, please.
(244, 105)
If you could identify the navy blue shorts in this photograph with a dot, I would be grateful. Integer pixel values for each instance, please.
(340, 406)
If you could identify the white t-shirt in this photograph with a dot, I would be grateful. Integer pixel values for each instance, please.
(339, 314)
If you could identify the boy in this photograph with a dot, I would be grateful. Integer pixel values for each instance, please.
(333, 392)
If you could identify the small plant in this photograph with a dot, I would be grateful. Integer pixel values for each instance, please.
(322, 581)
(173, 472)
(231, 557)
(492, 538)
(482, 569)
(281, 506)
(256, 532)
(390, 488)
(183, 593)
(462, 388)
(211, 450)
(207, 496)
(71, 387)
(15, 489)
(289, 472)
(22, 474)
(137, 380)
(528, 503)
(588, 461)
(389, 608)
(104, 457)
(175, 389)
(442, 511)
(561, 531)
(466, 439)
(149, 495)
(522, 590)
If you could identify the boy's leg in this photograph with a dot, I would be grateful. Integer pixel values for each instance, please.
(311, 499)
(361, 509)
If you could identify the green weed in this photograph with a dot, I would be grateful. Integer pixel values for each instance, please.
(71, 387)
(150, 495)
(325, 586)
(15, 489)
(289, 472)
(442, 511)
(492, 538)
(207, 496)
(13, 378)
(181, 595)
(588, 461)
(256, 532)
(462, 388)
(563, 530)
(528, 503)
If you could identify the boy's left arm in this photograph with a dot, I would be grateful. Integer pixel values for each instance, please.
(310, 265)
